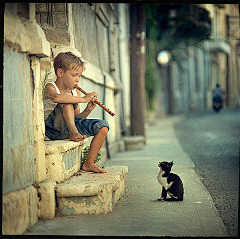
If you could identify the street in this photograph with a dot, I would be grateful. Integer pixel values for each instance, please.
(212, 142)
(138, 212)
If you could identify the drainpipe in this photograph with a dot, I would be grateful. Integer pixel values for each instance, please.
(104, 84)
(103, 115)
(122, 111)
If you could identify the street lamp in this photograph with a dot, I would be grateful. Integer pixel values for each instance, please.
(163, 57)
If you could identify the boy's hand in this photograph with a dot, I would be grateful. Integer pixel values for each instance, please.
(91, 96)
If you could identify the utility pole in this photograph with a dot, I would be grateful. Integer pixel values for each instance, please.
(137, 68)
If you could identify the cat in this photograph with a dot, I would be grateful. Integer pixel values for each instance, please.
(170, 182)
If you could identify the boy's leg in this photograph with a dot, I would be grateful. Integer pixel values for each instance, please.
(68, 115)
(95, 146)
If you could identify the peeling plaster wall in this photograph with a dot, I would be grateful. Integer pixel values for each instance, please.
(18, 153)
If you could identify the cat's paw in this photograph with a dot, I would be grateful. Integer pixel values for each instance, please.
(161, 199)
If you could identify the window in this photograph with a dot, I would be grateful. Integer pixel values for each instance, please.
(52, 14)
(94, 34)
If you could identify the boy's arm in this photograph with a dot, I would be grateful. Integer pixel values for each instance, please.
(50, 93)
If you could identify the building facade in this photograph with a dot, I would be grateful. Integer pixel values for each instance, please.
(186, 83)
(34, 33)
(224, 50)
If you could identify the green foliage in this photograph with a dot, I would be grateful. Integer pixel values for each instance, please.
(150, 85)
(45, 81)
(151, 76)
(85, 154)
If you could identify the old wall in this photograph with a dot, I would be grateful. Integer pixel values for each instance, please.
(92, 31)
(90, 35)
(23, 129)
(23, 125)
(96, 37)
(18, 155)
(34, 33)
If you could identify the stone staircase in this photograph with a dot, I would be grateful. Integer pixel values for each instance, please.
(64, 189)
(70, 191)
(91, 193)
(63, 158)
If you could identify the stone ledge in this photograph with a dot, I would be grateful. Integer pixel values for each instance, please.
(63, 158)
(91, 184)
(61, 146)
(91, 193)
(134, 142)
(25, 36)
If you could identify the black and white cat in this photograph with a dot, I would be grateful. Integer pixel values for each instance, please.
(170, 182)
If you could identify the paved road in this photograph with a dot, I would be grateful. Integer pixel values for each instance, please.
(212, 142)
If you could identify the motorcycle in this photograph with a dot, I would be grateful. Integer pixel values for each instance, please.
(217, 104)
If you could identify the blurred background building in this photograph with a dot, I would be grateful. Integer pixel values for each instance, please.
(204, 41)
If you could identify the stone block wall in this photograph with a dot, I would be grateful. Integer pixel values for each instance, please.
(18, 171)
(63, 158)
(23, 125)
(19, 211)
(34, 33)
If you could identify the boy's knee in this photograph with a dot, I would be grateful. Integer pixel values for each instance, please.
(67, 107)
(104, 130)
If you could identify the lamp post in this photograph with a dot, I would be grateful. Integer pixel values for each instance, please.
(163, 58)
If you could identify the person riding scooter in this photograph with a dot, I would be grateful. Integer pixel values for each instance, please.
(217, 98)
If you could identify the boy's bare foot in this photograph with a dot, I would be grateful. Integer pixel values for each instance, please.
(92, 168)
(75, 136)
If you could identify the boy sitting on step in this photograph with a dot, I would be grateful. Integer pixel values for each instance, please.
(62, 115)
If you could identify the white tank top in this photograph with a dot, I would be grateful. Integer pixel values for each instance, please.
(49, 105)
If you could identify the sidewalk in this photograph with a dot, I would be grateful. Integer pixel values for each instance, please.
(138, 212)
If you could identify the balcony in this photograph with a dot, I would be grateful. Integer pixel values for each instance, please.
(218, 44)
(190, 21)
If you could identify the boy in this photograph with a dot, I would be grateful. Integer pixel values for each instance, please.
(62, 115)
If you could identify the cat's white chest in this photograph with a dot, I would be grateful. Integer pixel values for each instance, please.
(163, 180)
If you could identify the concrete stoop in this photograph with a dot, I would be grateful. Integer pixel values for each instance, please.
(63, 158)
(134, 142)
(91, 193)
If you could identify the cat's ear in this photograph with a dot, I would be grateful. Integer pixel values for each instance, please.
(171, 163)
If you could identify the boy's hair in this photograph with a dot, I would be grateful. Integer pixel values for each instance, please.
(64, 59)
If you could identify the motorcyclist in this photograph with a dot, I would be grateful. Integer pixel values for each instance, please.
(217, 98)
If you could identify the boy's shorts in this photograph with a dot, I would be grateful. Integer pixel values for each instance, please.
(56, 128)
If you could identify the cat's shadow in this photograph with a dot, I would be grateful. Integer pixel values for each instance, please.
(156, 200)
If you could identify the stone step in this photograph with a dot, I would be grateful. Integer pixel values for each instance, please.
(134, 142)
(91, 193)
(63, 158)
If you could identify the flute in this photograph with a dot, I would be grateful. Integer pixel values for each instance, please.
(96, 101)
